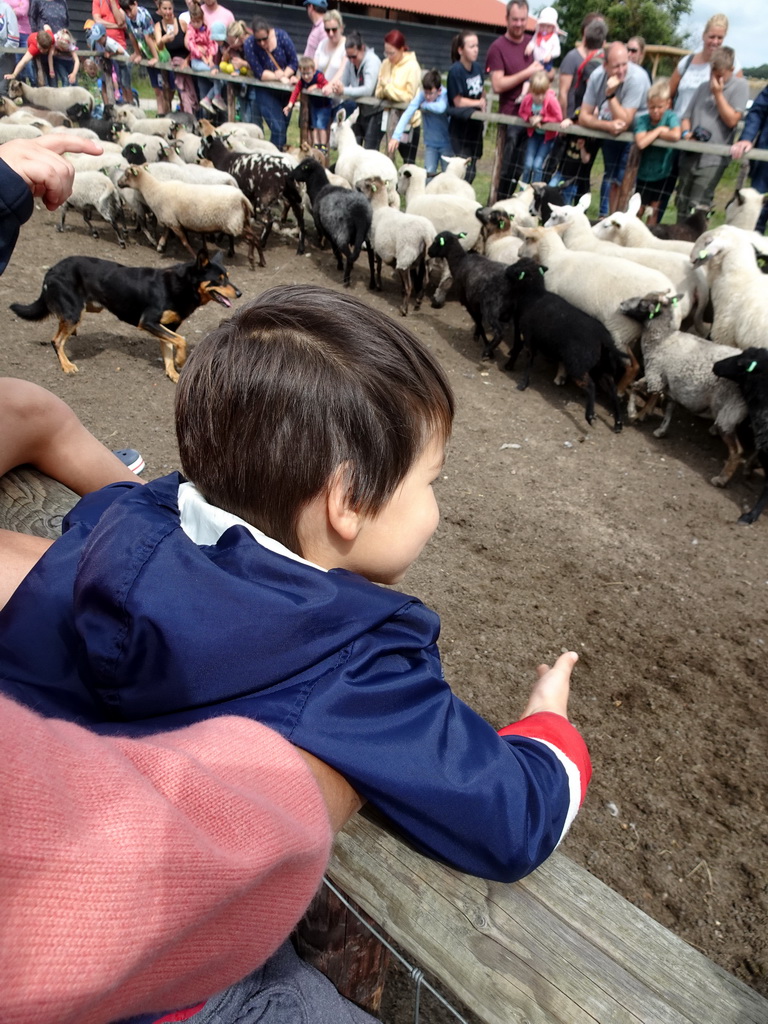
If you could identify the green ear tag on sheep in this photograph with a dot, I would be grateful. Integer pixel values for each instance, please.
(462, 234)
(541, 271)
(752, 366)
(703, 253)
(442, 241)
(522, 275)
(502, 225)
(658, 308)
(674, 300)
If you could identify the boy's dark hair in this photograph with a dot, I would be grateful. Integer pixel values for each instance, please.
(431, 79)
(44, 40)
(299, 382)
(595, 34)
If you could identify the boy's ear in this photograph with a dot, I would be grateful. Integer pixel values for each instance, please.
(344, 520)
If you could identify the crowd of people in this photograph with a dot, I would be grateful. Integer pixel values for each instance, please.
(600, 85)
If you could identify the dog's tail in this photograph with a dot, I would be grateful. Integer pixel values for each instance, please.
(37, 310)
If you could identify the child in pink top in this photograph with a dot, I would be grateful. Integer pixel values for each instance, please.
(539, 107)
(202, 48)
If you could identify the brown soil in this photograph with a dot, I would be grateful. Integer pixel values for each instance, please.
(554, 535)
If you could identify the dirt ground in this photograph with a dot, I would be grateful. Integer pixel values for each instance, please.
(553, 536)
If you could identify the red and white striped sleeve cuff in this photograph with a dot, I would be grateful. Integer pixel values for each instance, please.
(566, 743)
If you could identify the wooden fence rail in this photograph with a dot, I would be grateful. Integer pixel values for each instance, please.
(559, 947)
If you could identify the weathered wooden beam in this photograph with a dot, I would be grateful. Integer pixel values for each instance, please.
(560, 947)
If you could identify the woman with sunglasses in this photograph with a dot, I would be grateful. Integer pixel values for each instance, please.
(272, 58)
(330, 60)
(636, 53)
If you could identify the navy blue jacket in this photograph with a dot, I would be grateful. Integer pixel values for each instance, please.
(16, 206)
(128, 625)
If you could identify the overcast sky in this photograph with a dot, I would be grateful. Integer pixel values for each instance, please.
(747, 20)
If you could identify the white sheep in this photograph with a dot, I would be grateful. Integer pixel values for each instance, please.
(744, 207)
(400, 240)
(27, 117)
(83, 133)
(59, 98)
(8, 132)
(521, 207)
(9, 109)
(355, 163)
(451, 181)
(180, 207)
(738, 289)
(127, 115)
(100, 162)
(193, 174)
(679, 366)
(447, 213)
(628, 230)
(153, 147)
(577, 234)
(500, 241)
(596, 284)
(93, 192)
(241, 128)
(133, 204)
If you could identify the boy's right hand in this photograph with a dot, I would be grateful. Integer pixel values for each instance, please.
(551, 691)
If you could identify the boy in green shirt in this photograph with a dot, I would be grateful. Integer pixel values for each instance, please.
(656, 165)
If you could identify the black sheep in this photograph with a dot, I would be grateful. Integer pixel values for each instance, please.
(264, 178)
(481, 287)
(342, 215)
(750, 371)
(581, 344)
(103, 126)
(687, 230)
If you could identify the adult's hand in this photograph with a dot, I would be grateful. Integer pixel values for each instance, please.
(41, 164)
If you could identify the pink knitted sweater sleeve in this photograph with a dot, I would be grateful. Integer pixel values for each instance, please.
(138, 875)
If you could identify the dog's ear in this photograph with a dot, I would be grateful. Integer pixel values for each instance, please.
(202, 258)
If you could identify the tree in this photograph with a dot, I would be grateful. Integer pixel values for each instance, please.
(656, 20)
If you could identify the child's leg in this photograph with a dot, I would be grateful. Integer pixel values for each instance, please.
(38, 428)
(431, 159)
(530, 156)
(539, 159)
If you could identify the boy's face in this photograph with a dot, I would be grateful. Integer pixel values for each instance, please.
(656, 109)
(430, 95)
(390, 541)
(308, 73)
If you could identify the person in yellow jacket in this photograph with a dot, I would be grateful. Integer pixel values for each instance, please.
(399, 81)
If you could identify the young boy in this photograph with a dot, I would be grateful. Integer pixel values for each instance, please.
(311, 430)
(39, 44)
(432, 100)
(712, 116)
(660, 122)
(141, 32)
(312, 82)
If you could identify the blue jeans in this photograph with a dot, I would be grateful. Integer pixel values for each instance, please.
(435, 159)
(536, 153)
(267, 104)
(615, 156)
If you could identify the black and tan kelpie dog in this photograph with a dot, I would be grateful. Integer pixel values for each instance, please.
(156, 301)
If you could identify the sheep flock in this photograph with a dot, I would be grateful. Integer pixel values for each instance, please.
(664, 310)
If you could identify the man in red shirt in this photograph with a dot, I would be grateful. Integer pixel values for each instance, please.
(509, 68)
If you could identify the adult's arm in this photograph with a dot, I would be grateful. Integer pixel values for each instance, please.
(168, 867)
(404, 89)
(754, 123)
(118, 15)
(730, 113)
(503, 83)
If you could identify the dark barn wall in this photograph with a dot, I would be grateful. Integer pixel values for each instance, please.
(432, 43)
